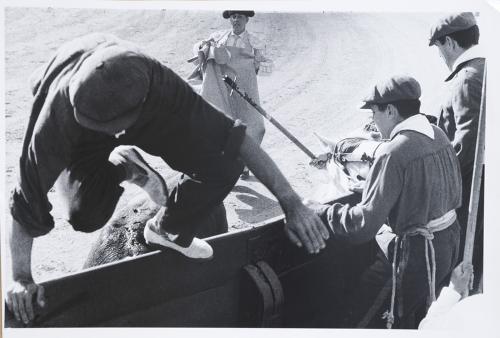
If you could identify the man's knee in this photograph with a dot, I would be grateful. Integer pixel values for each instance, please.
(88, 201)
(88, 220)
(87, 214)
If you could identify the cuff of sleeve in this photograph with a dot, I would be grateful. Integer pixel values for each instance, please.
(235, 139)
(22, 213)
(322, 212)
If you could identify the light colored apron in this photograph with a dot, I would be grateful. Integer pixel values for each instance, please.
(242, 62)
(214, 90)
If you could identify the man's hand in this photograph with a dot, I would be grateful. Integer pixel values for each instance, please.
(20, 286)
(321, 161)
(19, 299)
(462, 278)
(202, 60)
(304, 228)
(357, 185)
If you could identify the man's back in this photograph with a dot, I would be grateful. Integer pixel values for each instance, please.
(428, 182)
(460, 112)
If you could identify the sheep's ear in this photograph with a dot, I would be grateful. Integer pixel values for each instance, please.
(326, 143)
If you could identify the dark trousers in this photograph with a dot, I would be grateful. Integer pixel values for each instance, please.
(374, 292)
(92, 188)
(175, 123)
(201, 143)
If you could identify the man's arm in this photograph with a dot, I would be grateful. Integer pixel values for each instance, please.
(361, 222)
(466, 105)
(439, 309)
(20, 284)
(302, 226)
(461, 280)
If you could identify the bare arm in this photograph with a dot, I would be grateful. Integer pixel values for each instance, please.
(303, 226)
(20, 284)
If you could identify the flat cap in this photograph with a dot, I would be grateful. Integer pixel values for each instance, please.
(228, 13)
(396, 88)
(107, 92)
(450, 24)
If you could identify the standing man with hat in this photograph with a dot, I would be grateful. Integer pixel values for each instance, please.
(95, 101)
(456, 37)
(236, 53)
(414, 187)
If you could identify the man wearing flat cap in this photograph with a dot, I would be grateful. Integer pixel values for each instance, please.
(96, 103)
(456, 36)
(236, 53)
(413, 186)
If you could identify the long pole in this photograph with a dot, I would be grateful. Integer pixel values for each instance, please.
(244, 95)
(476, 178)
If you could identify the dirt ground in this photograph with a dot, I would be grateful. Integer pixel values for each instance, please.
(323, 65)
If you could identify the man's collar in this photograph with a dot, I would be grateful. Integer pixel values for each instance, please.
(242, 34)
(473, 52)
(418, 123)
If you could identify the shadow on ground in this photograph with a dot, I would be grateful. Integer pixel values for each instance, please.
(260, 205)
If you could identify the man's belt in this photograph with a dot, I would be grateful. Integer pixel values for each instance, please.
(435, 225)
(398, 266)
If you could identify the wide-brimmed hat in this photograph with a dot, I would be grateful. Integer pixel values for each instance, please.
(450, 24)
(108, 90)
(396, 88)
(228, 13)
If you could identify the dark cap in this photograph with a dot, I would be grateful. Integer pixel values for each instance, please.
(108, 90)
(227, 14)
(396, 88)
(450, 24)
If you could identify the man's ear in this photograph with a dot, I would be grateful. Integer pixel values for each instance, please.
(450, 42)
(391, 110)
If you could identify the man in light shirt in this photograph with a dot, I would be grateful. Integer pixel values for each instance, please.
(236, 53)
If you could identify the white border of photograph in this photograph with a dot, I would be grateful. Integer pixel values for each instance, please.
(489, 38)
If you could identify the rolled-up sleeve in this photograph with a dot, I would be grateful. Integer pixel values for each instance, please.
(42, 160)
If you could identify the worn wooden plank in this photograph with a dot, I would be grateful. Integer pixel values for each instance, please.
(166, 289)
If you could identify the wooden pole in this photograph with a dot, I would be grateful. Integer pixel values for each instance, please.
(292, 138)
(476, 178)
